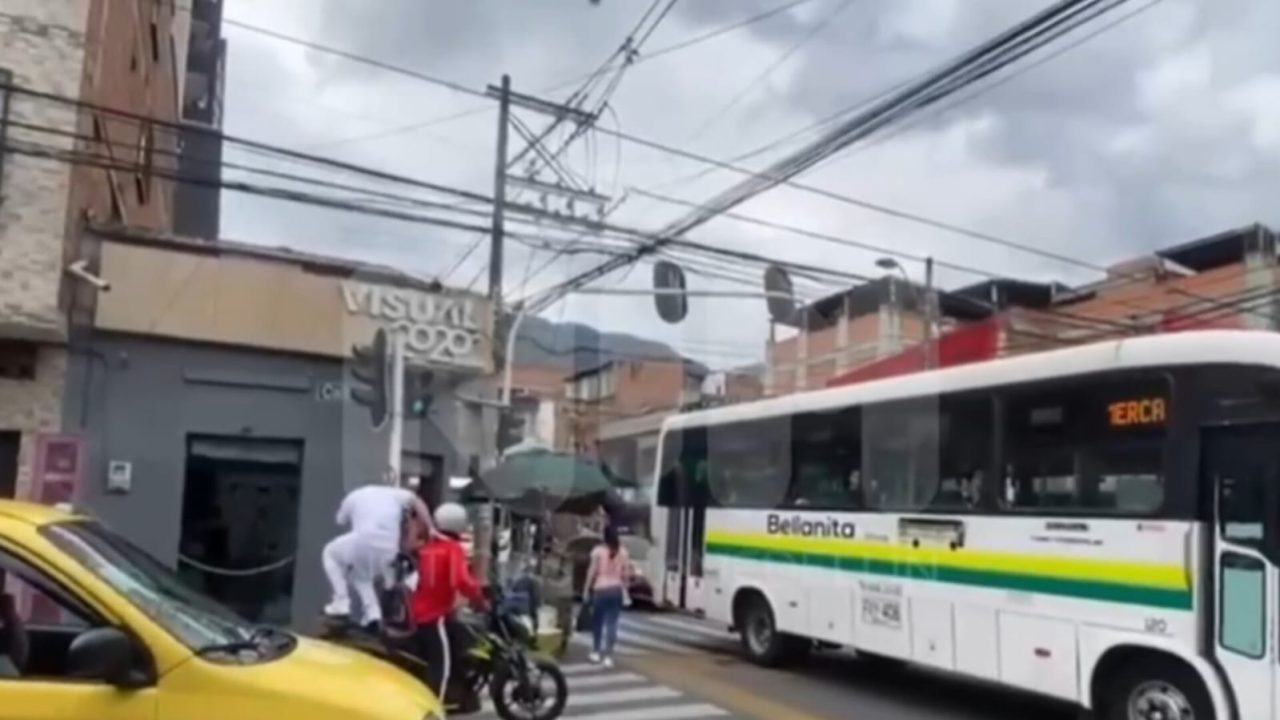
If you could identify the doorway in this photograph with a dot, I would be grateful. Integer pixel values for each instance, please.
(9, 444)
(240, 523)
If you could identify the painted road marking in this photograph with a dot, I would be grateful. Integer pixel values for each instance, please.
(595, 681)
(691, 711)
(628, 638)
(584, 640)
(618, 697)
(599, 693)
(678, 625)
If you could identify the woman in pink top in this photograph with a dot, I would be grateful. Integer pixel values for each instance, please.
(607, 576)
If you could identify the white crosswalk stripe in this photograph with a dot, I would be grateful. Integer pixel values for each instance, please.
(600, 693)
(653, 633)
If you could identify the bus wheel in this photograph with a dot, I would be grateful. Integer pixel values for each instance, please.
(1156, 687)
(761, 641)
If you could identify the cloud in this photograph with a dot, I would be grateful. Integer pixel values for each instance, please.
(1157, 131)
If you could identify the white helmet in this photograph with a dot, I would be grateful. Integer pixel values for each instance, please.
(451, 518)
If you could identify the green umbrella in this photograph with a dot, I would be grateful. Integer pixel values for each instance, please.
(539, 481)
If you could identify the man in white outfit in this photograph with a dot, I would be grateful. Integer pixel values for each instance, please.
(357, 558)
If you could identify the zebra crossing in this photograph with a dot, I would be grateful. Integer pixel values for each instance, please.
(600, 693)
(646, 633)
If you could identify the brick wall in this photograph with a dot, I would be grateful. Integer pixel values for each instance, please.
(42, 45)
(34, 407)
(112, 53)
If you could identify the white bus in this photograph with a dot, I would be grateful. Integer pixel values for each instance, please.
(1099, 524)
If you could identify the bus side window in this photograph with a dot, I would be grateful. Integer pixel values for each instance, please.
(901, 451)
(1095, 446)
(965, 449)
(826, 460)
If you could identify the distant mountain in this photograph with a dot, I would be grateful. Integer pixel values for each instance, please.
(572, 347)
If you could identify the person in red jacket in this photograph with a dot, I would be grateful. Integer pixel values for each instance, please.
(443, 578)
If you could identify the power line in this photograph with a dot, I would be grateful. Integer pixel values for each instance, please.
(253, 145)
(355, 205)
(983, 90)
(778, 62)
(864, 102)
(1007, 47)
(355, 58)
(695, 40)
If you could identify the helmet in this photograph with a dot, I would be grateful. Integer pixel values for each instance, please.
(451, 518)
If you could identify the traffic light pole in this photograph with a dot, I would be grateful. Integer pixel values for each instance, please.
(396, 445)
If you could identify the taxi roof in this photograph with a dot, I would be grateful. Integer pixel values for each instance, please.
(33, 513)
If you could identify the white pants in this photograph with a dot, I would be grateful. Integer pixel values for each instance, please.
(356, 561)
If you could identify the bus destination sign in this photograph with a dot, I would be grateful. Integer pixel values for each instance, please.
(1137, 413)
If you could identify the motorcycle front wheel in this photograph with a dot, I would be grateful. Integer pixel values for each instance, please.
(542, 698)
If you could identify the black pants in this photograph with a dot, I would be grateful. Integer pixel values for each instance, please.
(434, 647)
(442, 645)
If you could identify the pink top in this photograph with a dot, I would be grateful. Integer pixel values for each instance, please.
(609, 572)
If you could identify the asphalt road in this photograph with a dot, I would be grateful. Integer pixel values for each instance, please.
(706, 668)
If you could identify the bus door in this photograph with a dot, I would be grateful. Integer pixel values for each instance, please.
(685, 546)
(1243, 465)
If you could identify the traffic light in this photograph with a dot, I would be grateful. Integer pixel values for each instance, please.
(369, 370)
(417, 393)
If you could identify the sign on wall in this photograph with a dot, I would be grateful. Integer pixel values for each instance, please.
(441, 329)
(57, 468)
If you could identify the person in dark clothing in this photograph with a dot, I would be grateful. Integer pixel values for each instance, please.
(443, 577)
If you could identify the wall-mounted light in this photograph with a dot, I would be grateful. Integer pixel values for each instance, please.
(80, 270)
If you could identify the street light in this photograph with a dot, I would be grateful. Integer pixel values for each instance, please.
(930, 316)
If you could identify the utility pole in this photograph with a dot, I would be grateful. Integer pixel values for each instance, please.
(499, 195)
(930, 317)
(395, 448)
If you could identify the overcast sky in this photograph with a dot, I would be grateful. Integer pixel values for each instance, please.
(1160, 130)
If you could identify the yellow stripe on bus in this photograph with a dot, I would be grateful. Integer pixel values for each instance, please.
(1165, 576)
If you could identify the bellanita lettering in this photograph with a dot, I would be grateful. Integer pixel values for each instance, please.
(800, 526)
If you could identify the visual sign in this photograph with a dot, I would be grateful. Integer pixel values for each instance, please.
(441, 329)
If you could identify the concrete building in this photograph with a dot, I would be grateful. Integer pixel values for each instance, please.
(212, 394)
(1227, 280)
(619, 389)
(861, 325)
(110, 54)
(199, 204)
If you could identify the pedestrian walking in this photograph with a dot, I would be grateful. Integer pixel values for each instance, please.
(606, 581)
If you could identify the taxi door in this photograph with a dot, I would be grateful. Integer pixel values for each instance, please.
(34, 682)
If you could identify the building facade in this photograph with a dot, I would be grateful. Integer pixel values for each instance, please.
(620, 389)
(65, 163)
(1228, 280)
(199, 204)
(213, 398)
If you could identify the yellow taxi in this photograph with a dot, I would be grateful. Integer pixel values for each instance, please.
(93, 627)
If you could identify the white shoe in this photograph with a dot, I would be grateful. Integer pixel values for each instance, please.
(608, 662)
(594, 657)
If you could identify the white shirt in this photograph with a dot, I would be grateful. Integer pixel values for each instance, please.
(376, 511)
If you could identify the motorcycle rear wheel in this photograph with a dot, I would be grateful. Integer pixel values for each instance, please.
(513, 702)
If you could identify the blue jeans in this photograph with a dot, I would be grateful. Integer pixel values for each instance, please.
(606, 608)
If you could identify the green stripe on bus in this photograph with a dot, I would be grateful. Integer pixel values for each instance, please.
(1085, 589)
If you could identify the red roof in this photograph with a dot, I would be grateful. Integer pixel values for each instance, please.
(974, 342)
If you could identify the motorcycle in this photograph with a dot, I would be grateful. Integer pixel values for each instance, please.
(499, 650)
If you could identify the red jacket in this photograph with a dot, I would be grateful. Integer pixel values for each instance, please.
(443, 575)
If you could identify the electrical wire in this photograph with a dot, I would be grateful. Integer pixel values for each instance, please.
(354, 57)
(489, 107)
(723, 111)
(1015, 43)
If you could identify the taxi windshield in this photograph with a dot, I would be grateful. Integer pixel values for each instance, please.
(193, 619)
